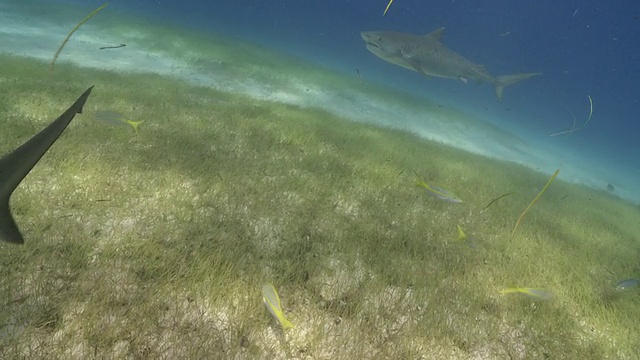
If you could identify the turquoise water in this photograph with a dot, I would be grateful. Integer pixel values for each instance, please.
(157, 243)
(500, 130)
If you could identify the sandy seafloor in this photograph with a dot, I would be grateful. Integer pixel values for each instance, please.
(38, 34)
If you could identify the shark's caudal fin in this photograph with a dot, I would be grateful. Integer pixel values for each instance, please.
(506, 80)
(15, 166)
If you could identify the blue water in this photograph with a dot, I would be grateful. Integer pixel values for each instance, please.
(582, 47)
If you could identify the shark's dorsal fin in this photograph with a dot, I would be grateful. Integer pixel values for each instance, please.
(16, 165)
(435, 34)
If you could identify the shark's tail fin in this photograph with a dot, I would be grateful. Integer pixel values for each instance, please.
(506, 80)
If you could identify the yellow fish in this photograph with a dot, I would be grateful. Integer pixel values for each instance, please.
(272, 302)
(112, 117)
(532, 293)
(469, 240)
(439, 192)
(461, 235)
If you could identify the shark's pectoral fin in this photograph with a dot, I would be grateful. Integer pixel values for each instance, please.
(415, 65)
(15, 166)
(506, 80)
(464, 80)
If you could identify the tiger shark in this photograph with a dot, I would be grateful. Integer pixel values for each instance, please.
(428, 56)
(15, 166)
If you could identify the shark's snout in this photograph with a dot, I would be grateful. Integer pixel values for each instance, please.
(368, 36)
(371, 39)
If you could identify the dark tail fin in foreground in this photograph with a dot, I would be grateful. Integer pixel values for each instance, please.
(15, 166)
(506, 80)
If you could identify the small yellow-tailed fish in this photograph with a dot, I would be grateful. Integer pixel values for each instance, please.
(532, 293)
(387, 8)
(272, 302)
(114, 118)
(469, 240)
(439, 192)
(461, 235)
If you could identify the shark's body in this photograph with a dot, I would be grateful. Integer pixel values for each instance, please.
(15, 166)
(428, 56)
